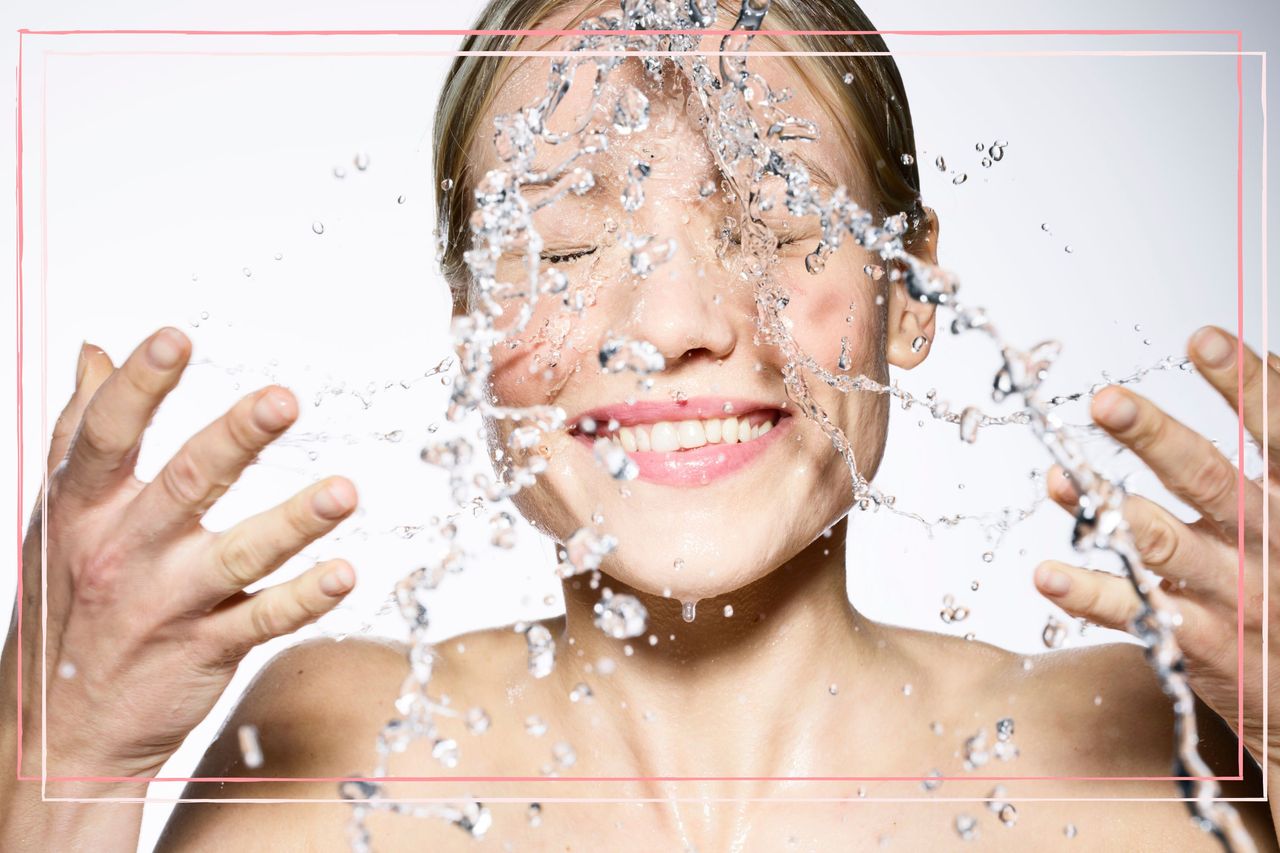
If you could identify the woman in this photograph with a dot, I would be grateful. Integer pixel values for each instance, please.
(777, 675)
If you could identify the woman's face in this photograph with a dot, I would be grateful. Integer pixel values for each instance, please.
(733, 479)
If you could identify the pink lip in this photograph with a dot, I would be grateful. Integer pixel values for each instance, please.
(652, 411)
(700, 466)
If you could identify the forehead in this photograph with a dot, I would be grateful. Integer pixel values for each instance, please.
(524, 82)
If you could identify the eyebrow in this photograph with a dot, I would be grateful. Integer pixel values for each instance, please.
(817, 173)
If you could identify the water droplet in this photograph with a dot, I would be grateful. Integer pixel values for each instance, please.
(446, 184)
(247, 272)
(535, 725)
(728, 611)
(621, 617)
(907, 159)
(1054, 633)
(400, 199)
(906, 689)
(981, 146)
(564, 754)
(361, 161)
(689, 610)
(986, 162)
(918, 343)
(1069, 830)
(581, 692)
(970, 421)
(988, 556)
(997, 151)
(940, 163)
(542, 650)
(250, 748)
(66, 669)
(960, 179)
(1067, 248)
(339, 172)
(631, 111)
(848, 77)
(317, 227)
(932, 780)
(502, 532)
(477, 720)
(534, 814)
(833, 689)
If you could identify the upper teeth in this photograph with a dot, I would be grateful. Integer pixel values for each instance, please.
(665, 436)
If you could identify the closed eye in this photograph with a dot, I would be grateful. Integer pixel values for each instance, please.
(565, 257)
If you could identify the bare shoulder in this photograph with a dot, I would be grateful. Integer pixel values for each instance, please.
(317, 708)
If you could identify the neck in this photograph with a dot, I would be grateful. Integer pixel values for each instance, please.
(724, 695)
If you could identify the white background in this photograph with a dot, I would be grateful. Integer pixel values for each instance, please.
(166, 174)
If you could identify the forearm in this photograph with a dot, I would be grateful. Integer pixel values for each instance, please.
(29, 821)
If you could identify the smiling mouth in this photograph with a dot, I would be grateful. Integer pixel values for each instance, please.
(682, 435)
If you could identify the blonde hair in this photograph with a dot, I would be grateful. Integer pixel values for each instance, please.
(871, 110)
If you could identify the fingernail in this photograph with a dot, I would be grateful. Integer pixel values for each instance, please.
(82, 363)
(1214, 347)
(1115, 410)
(334, 500)
(273, 411)
(338, 580)
(1051, 581)
(165, 349)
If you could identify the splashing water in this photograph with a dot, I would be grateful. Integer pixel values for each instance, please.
(745, 135)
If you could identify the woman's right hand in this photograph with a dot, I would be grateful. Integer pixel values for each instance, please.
(146, 614)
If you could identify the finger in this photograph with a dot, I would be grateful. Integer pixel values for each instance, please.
(258, 545)
(1167, 546)
(1186, 462)
(105, 446)
(286, 607)
(1237, 373)
(211, 460)
(1102, 598)
(90, 374)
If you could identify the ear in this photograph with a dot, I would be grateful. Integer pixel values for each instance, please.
(908, 319)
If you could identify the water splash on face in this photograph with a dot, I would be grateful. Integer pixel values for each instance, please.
(746, 128)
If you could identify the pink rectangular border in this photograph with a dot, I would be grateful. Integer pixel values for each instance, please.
(22, 33)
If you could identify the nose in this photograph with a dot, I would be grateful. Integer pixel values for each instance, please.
(684, 307)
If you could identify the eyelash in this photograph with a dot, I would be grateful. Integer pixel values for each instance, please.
(565, 257)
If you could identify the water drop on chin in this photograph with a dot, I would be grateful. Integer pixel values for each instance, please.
(317, 227)
(689, 610)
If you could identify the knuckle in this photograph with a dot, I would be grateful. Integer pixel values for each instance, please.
(97, 578)
(1157, 543)
(239, 558)
(98, 434)
(1150, 431)
(183, 479)
(240, 432)
(268, 618)
(299, 517)
(1211, 481)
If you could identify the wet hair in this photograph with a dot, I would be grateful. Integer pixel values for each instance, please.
(870, 110)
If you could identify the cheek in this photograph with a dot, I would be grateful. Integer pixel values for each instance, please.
(836, 312)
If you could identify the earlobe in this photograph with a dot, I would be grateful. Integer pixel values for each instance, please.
(910, 323)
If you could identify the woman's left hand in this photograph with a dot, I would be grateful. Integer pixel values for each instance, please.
(1200, 562)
